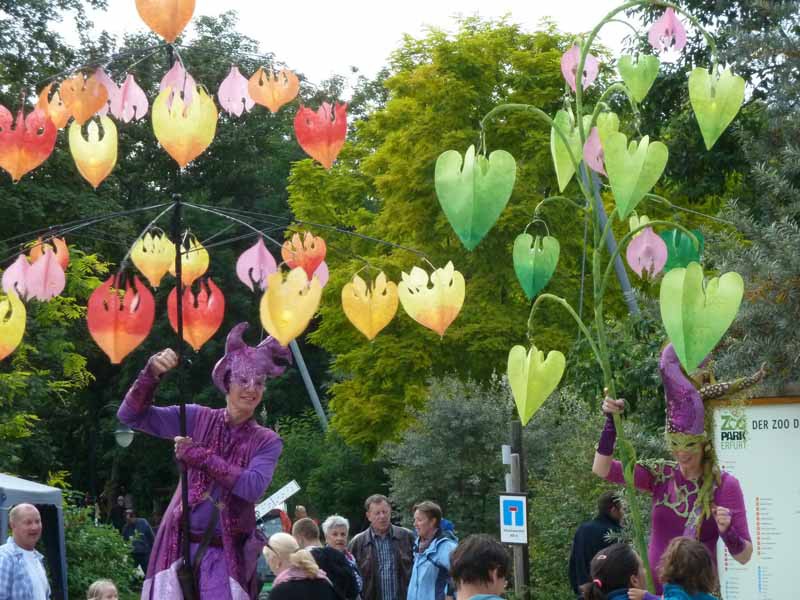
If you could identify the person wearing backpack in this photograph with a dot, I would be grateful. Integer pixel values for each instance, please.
(430, 575)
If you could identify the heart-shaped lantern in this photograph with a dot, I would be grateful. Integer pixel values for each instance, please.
(25, 143)
(307, 254)
(54, 106)
(321, 134)
(83, 96)
(474, 192)
(202, 313)
(45, 278)
(564, 166)
(593, 152)
(12, 323)
(370, 310)
(15, 277)
(632, 169)
(569, 67)
(535, 261)
(119, 320)
(533, 378)
(184, 131)
(681, 249)
(95, 157)
(194, 260)
(154, 255)
(273, 90)
(667, 34)
(716, 99)
(254, 266)
(167, 18)
(434, 306)
(289, 304)
(639, 74)
(696, 314)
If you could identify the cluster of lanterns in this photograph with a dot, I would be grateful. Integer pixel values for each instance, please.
(184, 116)
(474, 190)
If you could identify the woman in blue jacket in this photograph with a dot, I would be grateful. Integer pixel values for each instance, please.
(430, 575)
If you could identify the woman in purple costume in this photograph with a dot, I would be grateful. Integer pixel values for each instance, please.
(230, 461)
(691, 497)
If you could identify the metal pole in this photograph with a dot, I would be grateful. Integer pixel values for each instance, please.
(611, 243)
(312, 392)
(176, 237)
(519, 480)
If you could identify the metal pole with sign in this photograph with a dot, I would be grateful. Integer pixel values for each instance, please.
(514, 511)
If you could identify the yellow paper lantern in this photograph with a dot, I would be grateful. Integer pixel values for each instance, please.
(154, 255)
(370, 310)
(184, 131)
(194, 261)
(435, 306)
(289, 304)
(12, 323)
(94, 157)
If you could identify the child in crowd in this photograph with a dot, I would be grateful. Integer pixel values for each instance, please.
(102, 589)
(617, 574)
(479, 567)
(687, 571)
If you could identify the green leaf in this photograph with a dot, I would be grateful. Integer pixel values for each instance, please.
(681, 249)
(696, 316)
(640, 75)
(716, 99)
(533, 378)
(564, 166)
(632, 169)
(473, 194)
(535, 261)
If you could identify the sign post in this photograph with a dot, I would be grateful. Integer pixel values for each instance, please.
(514, 511)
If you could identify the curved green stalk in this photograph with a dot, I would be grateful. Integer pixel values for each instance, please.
(619, 85)
(553, 199)
(543, 115)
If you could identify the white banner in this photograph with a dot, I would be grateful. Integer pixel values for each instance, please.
(760, 445)
(278, 498)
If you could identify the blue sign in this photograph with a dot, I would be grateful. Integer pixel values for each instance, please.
(513, 518)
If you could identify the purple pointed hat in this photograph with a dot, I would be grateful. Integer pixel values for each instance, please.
(247, 363)
(685, 412)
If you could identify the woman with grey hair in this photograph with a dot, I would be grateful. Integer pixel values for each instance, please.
(335, 529)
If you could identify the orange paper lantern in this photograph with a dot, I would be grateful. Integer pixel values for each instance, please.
(83, 96)
(436, 305)
(308, 253)
(57, 245)
(273, 91)
(202, 313)
(167, 18)
(25, 143)
(119, 320)
(54, 107)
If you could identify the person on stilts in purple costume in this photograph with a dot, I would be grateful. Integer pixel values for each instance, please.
(691, 497)
(230, 461)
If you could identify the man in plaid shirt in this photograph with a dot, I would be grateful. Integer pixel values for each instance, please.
(22, 574)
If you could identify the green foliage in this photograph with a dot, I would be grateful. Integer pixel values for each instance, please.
(335, 478)
(439, 87)
(95, 552)
(451, 453)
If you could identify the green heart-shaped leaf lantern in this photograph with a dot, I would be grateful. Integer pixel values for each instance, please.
(535, 261)
(475, 192)
(697, 315)
(639, 75)
(681, 249)
(715, 99)
(560, 152)
(607, 123)
(533, 378)
(632, 169)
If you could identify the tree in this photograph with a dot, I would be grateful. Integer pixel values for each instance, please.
(382, 187)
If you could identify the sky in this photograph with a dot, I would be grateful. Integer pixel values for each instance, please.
(325, 38)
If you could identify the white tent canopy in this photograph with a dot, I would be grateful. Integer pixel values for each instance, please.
(13, 491)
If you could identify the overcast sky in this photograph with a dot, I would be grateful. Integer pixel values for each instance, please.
(325, 38)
